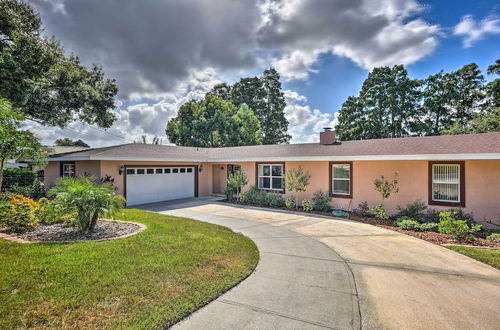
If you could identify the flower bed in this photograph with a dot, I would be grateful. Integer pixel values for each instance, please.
(430, 236)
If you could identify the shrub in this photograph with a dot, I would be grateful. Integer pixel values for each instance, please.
(229, 192)
(253, 196)
(51, 212)
(307, 205)
(413, 210)
(407, 223)
(433, 215)
(273, 199)
(429, 226)
(363, 210)
(290, 202)
(380, 212)
(18, 214)
(495, 237)
(87, 199)
(321, 201)
(17, 176)
(411, 224)
(458, 228)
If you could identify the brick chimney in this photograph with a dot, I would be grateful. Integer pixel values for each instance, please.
(327, 136)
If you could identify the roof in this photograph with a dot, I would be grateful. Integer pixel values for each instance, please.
(53, 150)
(467, 146)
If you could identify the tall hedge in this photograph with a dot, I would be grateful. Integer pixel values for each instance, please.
(20, 176)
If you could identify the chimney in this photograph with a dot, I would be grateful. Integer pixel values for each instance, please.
(327, 136)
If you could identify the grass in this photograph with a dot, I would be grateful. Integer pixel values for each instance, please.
(488, 256)
(150, 280)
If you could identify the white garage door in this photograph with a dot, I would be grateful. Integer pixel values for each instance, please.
(155, 184)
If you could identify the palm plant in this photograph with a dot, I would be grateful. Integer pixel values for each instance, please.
(88, 199)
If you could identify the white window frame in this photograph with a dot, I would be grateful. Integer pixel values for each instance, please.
(341, 179)
(68, 172)
(457, 183)
(271, 176)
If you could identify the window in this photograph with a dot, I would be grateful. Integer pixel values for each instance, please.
(270, 177)
(183, 170)
(341, 179)
(140, 171)
(167, 170)
(150, 171)
(68, 169)
(446, 186)
(130, 171)
(175, 170)
(159, 171)
(189, 170)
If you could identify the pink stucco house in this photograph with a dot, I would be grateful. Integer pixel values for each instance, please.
(443, 171)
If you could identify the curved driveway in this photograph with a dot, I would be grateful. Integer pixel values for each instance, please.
(323, 273)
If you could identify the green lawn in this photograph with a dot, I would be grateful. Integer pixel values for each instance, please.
(488, 256)
(149, 280)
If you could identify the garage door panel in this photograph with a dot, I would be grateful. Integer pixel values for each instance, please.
(172, 183)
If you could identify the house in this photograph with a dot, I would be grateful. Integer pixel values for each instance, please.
(443, 171)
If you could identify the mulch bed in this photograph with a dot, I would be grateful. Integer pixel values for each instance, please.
(430, 236)
(59, 232)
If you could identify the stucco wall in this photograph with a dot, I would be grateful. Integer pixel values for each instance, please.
(482, 181)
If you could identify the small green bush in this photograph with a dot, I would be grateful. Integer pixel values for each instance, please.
(253, 196)
(413, 210)
(50, 212)
(407, 223)
(411, 224)
(458, 228)
(18, 216)
(290, 202)
(380, 212)
(321, 201)
(273, 199)
(229, 192)
(433, 215)
(495, 237)
(307, 205)
(363, 210)
(428, 226)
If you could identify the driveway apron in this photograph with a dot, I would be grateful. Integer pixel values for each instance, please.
(325, 273)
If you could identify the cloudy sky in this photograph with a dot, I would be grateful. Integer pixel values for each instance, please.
(164, 52)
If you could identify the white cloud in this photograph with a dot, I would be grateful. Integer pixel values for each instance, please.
(136, 120)
(371, 33)
(305, 123)
(472, 31)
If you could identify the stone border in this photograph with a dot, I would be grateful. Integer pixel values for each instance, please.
(24, 241)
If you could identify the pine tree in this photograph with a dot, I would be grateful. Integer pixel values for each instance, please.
(350, 120)
(273, 121)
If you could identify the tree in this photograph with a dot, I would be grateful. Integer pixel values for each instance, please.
(222, 90)
(385, 188)
(297, 180)
(41, 81)
(213, 122)
(236, 181)
(273, 121)
(143, 140)
(387, 106)
(350, 120)
(67, 142)
(437, 95)
(88, 199)
(15, 142)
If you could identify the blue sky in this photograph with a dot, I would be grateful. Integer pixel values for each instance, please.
(163, 53)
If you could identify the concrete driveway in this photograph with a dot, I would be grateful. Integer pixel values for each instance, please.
(317, 273)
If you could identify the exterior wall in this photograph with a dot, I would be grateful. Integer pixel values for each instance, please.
(52, 171)
(482, 178)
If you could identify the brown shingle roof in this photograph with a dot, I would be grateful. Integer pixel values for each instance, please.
(475, 144)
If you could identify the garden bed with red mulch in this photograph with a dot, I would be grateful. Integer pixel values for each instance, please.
(430, 236)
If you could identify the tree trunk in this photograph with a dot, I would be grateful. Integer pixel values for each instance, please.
(2, 162)
(93, 222)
